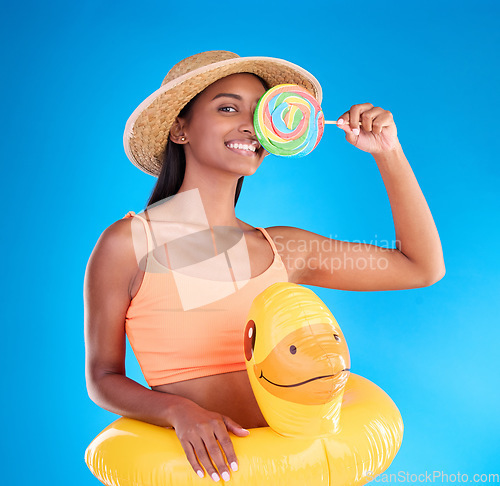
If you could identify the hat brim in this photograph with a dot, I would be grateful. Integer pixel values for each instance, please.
(147, 129)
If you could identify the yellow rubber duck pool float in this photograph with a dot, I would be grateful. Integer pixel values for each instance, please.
(327, 426)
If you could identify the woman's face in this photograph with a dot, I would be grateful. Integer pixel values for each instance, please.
(221, 124)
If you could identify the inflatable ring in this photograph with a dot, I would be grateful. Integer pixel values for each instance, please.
(326, 425)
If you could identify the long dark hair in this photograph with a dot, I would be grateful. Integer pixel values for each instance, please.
(174, 163)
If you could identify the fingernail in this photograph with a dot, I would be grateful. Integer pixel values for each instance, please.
(355, 131)
(225, 476)
(215, 477)
(234, 466)
(341, 120)
(200, 473)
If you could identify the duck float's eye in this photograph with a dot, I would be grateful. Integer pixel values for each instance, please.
(337, 337)
(293, 349)
(249, 339)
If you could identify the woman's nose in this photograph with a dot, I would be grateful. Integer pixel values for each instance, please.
(247, 124)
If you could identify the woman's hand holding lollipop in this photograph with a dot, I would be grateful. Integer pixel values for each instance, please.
(289, 122)
(369, 128)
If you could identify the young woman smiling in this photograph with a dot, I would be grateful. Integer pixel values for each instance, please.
(180, 278)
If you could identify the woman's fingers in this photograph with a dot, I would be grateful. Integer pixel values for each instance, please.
(384, 119)
(211, 456)
(235, 428)
(204, 459)
(370, 128)
(225, 441)
(191, 457)
(368, 117)
(204, 436)
(218, 449)
(204, 454)
(343, 120)
(355, 115)
(372, 118)
(344, 123)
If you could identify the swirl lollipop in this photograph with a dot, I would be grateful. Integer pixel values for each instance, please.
(288, 121)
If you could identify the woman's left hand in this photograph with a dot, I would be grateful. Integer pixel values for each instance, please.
(377, 132)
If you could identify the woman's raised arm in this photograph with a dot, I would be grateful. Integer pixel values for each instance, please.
(417, 260)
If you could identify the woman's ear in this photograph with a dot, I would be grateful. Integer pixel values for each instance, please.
(177, 134)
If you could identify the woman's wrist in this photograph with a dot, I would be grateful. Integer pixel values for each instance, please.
(175, 407)
(395, 153)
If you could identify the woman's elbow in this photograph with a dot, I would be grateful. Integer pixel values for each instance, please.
(92, 388)
(95, 386)
(433, 277)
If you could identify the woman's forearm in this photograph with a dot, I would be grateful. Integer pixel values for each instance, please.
(121, 395)
(416, 233)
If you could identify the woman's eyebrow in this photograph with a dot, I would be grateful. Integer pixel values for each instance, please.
(227, 95)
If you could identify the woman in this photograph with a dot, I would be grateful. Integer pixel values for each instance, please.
(179, 279)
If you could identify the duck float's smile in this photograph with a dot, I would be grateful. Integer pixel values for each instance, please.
(301, 383)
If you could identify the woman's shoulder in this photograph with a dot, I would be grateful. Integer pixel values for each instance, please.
(119, 244)
(276, 233)
(119, 233)
(111, 270)
(280, 232)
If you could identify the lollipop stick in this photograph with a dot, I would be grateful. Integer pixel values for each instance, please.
(333, 122)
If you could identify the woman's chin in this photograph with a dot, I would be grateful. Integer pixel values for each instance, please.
(249, 167)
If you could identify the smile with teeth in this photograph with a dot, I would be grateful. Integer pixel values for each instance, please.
(241, 146)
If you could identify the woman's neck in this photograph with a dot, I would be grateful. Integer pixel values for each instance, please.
(209, 201)
(199, 206)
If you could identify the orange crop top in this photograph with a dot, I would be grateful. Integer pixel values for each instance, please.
(176, 336)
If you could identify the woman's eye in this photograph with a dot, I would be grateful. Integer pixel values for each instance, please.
(293, 349)
(337, 337)
(226, 109)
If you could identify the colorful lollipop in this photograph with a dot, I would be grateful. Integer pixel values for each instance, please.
(288, 121)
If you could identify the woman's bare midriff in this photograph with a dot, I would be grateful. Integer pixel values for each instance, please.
(228, 393)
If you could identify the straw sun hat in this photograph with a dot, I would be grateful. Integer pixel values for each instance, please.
(147, 129)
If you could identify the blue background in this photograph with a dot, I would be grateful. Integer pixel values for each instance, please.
(72, 73)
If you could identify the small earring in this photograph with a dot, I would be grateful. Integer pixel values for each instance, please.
(183, 139)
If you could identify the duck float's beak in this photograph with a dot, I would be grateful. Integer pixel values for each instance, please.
(308, 366)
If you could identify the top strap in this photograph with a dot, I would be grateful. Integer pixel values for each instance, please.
(271, 242)
(149, 237)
